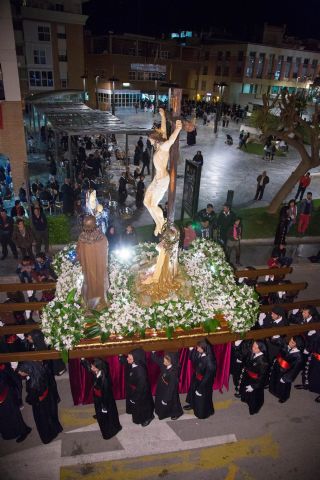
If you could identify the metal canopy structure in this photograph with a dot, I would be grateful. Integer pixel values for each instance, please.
(79, 119)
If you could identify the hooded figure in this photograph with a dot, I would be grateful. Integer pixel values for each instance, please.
(167, 401)
(277, 318)
(285, 368)
(139, 401)
(92, 251)
(199, 396)
(36, 341)
(254, 376)
(313, 373)
(12, 425)
(43, 397)
(104, 403)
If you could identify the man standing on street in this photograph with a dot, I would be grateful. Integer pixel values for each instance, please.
(226, 219)
(304, 182)
(262, 181)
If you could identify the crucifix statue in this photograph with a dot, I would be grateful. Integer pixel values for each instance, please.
(163, 272)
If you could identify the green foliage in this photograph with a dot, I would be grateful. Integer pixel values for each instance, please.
(59, 229)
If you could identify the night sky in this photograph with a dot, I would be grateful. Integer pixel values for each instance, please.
(240, 18)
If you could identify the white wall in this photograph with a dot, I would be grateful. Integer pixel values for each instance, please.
(8, 57)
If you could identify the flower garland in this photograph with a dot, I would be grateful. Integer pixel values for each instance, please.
(211, 277)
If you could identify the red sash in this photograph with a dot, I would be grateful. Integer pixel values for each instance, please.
(44, 395)
(11, 338)
(283, 363)
(2, 366)
(252, 374)
(316, 356)
(97, 392)
(199, 376)
(3, 394)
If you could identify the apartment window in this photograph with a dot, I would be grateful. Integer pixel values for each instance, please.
(40, 78)
(39, 57)
(44, 33)
(287, 70)
(228, 55)
(206, 55)
(203, 85)
(61, 31)
(239, 70)
(314, 63)
(249, 88)
(225, 71)
(240, 55)
(64, 83)
(63, 58)
(306, 61)
(218, 70)
(205, 70)
(164, 54)
(260, 67)
(132, 75)
(289, 59)
(59, 7)
(220, 56)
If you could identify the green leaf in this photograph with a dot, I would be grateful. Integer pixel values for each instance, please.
(169, 332)
(104, 336)
(93, 331)
(142, 333)
(70, 296)
(65, 356)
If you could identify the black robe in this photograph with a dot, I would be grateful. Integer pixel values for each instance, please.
(275, 343)
(202, 382)
(313, 376)
(239, 356)
(139, 401)
(44, 401)
(167, 391)
(254, 374)
(104, 400)
(12, 424)
(286, 366)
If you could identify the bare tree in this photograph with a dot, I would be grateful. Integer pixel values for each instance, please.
(282, 117)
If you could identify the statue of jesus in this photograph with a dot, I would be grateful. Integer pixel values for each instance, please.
(160, 183)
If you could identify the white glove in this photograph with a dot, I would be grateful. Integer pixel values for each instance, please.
(280, 294)
(249, 389)
(276, 336)
(262, 316)
(14, 365)
(238, 342)
(1, 324)
(190, 348)
(198, 394)
(238, 361)
(163, 403)
(133, 403)
(311, 332)
(21, 336)
(103, 410)
(296, 310)
(282, 381)
(305, 351)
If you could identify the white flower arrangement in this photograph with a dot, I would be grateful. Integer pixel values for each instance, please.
(212, 279)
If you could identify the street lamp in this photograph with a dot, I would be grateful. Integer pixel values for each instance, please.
(97, 78)
(221, 86)
(113, 107)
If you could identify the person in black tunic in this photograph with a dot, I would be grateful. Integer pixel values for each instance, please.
(104, 402)
(12, 425)
(43, 397)
(277, 318)
(199, 396)
(167, 401)
(139, 401)
(240, 351)
(313, 375)
(253, 378)
(35, 342)
(285, 368)
(141, 188)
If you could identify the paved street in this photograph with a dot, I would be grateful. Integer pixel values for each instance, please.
(281, 441)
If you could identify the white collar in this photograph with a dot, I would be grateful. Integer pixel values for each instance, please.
(168, 367)
(203, 354)
(294, 350)
(133, 365)
(98, 374)
(309, 319)
(258, 354)
(278, 320)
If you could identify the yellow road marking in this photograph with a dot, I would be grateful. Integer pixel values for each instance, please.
(200, 460)
(77, 417)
